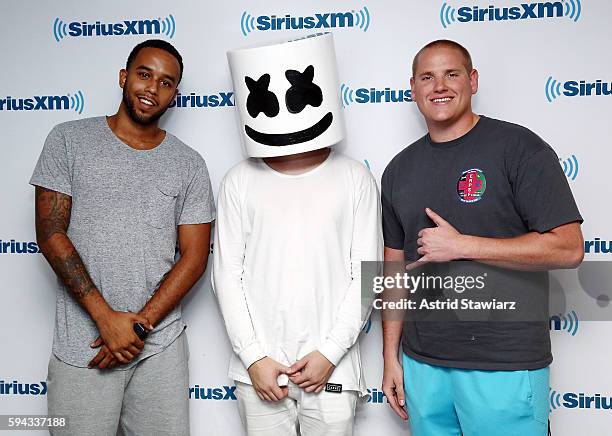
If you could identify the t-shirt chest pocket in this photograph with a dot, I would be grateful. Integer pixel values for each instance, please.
(160, 205)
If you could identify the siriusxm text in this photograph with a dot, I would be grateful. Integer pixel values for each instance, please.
(35, 103)
(214, 100)
(17, 247)
(16, 388)
(523, 12)
(583, 88)
(573, 400)
(126, 27)
(316, 21)
(220, 393)
(597, 246)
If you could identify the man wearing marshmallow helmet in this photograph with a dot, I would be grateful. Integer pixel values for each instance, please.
(295, 221)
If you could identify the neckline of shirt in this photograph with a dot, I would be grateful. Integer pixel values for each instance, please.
(310, 172)
(117, 140)
(470, 134)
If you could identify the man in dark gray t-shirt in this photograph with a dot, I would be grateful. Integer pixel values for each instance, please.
(484, 190)
(115, 197)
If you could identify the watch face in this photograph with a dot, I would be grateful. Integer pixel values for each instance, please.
(140, 331)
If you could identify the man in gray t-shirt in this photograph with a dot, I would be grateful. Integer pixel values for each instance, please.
(115, 196)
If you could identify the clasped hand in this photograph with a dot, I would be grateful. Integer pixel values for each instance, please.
(118, 341)
(309, 373)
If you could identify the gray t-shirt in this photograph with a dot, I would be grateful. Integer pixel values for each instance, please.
(126, 206)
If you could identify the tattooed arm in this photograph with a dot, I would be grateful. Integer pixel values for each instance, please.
(52, 218)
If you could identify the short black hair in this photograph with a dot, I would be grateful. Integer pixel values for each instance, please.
(156, 43)
(467, 59)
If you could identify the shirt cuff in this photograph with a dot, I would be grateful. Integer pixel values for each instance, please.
(332, 351)
(251, 354)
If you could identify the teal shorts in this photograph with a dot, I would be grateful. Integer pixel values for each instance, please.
(454, 402)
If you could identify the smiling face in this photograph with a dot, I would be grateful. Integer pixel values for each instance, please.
(287, 97)
(442, 87)
(150, 85)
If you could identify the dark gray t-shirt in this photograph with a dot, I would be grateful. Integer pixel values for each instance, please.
(126, 206)
(499, 180)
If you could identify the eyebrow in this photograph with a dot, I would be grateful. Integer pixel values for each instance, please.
(166, 76)
(430, 73)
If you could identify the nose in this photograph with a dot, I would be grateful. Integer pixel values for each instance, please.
(439, 84)
(152, 86)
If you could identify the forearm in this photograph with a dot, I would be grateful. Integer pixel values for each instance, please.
(237, 315)
(177, 283)
(68, 265)
(392, 337)
(350, 318)
(53, 211)
(531, 252)
(365, 248)
(392, 319)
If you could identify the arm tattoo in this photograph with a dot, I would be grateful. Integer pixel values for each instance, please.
(52, 213)
(52, 220)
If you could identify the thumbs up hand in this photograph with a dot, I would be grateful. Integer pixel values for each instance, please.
(441, 243)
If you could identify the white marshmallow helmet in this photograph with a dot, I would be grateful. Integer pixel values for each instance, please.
(287, 96)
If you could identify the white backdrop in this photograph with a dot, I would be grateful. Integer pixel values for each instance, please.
(526, 67)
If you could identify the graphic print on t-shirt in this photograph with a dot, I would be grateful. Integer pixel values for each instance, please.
(471, 185)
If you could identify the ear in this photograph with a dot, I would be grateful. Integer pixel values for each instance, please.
(250, 83)
(412, 87)
(308, 73)
(263, 82)
(474, 81)
(122, 77)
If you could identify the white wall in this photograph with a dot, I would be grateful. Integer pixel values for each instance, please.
(515, 60)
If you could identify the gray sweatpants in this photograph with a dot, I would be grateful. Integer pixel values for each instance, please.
(150, 398)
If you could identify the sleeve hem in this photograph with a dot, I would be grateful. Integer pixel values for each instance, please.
(251, 354)
(394, 244)
(51, 186)
(546, 227)
(332, 351)
(206, 220)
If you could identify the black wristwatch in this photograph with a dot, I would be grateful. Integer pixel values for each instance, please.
(140, 331)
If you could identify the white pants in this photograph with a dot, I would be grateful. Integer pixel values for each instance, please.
(300, 413)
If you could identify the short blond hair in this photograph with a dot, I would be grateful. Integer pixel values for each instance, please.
(467, 59)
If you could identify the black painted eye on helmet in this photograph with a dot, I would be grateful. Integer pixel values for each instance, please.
(302, 91)
(260, 99)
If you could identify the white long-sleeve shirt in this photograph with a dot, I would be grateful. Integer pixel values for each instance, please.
(287, 263)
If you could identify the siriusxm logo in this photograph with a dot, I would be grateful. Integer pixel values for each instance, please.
(565, 8)
(373, 95)
(360, 19)
(575, 88)
(570, 167)
(156, 26)
(220, 393)
(575, 400)
(568, 322)
(75, 102)
(195, 101)
(597, 246)
(376, 396)
(15, 247)
(16, 388)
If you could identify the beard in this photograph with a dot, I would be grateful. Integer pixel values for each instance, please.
(143, 120)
